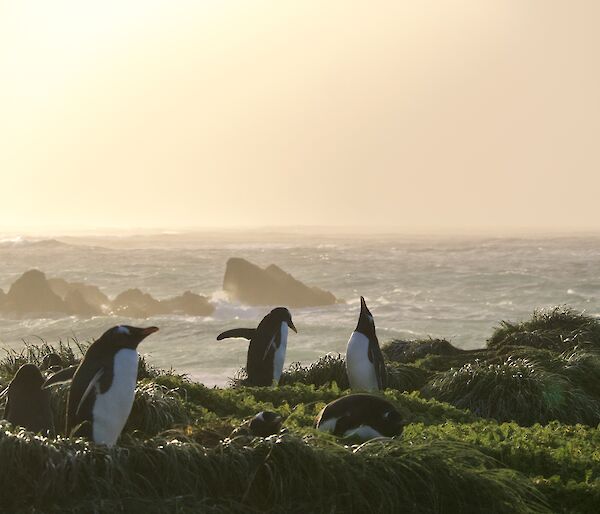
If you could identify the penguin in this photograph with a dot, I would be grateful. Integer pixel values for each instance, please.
(362, 416)
(52, 363)
(268, 344)
(265, 423)
(364, 361)
(103, 386)
(60, 377)
(28, 405)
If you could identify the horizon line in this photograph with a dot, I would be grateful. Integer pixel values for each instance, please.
(365, 229)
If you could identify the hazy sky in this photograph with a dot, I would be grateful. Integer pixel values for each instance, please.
(419, 114)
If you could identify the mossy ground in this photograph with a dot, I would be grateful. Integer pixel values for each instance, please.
(510, 428)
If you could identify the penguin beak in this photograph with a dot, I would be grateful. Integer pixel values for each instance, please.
(363, 307)
(291, 325)
(149, 330)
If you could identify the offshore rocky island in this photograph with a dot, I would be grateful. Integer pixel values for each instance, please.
(33, 294)
(512, 427)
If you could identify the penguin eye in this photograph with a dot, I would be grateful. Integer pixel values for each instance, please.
(122, 330)
(386, 415)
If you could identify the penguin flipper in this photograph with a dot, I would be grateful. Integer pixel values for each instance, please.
(343, 424)
(376, 357)
(61, 377)
(273, 345)
(7, 406)
(81, 394)
(92, 385)
(244, 333)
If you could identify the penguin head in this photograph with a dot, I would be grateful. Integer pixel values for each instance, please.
(27, 377)
(366, 323)
(283, 315)
(124, 336)
(392, 423)
(52, 361)
(265, 423)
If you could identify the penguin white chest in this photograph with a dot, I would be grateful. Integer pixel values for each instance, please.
(361, 371)
(279, 357)
(112, 408)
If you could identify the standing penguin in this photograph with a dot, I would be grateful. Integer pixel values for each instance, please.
(103, 387)
(28, 405)
(268, 344)
(364, 360)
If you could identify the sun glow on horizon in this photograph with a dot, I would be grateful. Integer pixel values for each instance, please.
(160, 114)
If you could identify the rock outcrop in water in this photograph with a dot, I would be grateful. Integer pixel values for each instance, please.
(133, 303)
(190, 304)
(82, 296)
(248, 283)
(33, 295)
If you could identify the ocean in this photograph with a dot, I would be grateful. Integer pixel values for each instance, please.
(458, 288)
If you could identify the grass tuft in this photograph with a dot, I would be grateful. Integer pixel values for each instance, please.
(518, 389)
(558, 329)
(328, 370)
(258, 476)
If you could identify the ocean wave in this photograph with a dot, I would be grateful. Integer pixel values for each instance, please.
(20, 241)
(226, 310)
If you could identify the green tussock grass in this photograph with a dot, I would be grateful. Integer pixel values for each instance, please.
(69, 351)
(327, 370)
(563, 461)
(411, 351)
(331, 369)
(156, 409)
(517, 389)
(258, 476)
(508, 428)
(559, 329)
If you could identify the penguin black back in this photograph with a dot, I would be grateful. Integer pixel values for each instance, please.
(267, 347)
(28, 405)
(350, 414)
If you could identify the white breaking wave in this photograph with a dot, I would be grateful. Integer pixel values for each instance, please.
(414, 287)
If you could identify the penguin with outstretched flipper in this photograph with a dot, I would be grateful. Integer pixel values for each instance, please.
(268, 344)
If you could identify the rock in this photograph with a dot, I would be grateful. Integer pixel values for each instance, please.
(77, 304)
(190, 304)
(31, 293)
(134, 303)
(252, 285)
(91, 294)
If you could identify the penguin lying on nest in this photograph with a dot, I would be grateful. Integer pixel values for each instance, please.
(103, 385)
(263, 424)
(361, 416)
(27, 404)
